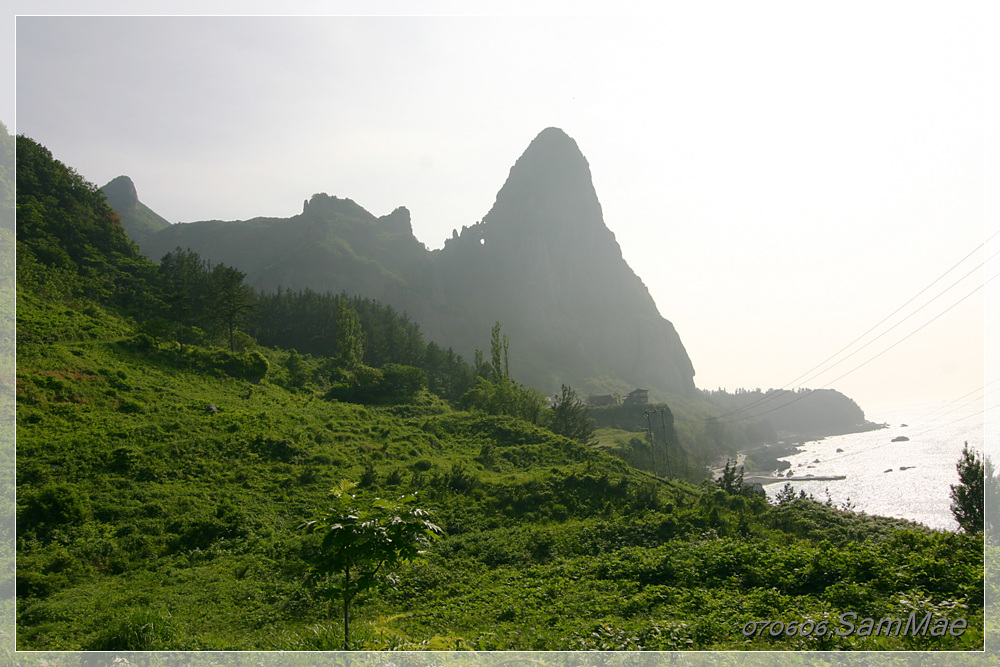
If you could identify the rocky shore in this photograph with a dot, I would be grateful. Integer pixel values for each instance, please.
(764, 459)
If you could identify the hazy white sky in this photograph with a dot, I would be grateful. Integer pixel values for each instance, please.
(781, 175)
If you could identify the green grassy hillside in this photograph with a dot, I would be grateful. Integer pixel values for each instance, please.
(162, 489)
(148, 521)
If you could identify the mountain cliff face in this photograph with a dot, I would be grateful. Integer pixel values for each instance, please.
(542, 262)
(333, 245)
(138, 220)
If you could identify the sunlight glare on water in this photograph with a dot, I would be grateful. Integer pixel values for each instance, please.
(908, 480)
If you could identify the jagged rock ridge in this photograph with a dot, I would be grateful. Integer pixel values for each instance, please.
(542, 261)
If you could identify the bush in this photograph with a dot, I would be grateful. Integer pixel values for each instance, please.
(358, 385)
(250, 366)
(136, 631)
(402, 382)
(142, 342)
(54, 504)
(130, 406)
(505, 397)
(298, 372)
(393, 383)
(461, 479)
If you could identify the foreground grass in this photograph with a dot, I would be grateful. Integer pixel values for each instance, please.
(149, 520)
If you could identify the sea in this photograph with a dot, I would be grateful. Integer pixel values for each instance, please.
(905, 479)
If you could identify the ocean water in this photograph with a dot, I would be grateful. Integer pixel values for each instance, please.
(876, 481)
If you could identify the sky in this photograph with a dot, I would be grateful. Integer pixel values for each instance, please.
(783, 176)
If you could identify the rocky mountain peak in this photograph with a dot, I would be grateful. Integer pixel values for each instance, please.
(139, 221)
(398, 221)
(549, 187)
(544, 263)
(121, 195)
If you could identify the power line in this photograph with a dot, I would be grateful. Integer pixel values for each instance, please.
(938, 413)
(911, 300)
(977, 414)
(868, 450)
(912, 332)
(900, 322)
(865, 363)
(769, 397)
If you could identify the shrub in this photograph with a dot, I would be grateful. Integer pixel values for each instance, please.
(402, 382)
(142, 342)
(275, 449)
(461, 479)
(505, 397)
(250, 366)
(395, 478)
(358, 385)
(136, 631)
(123, 460)
(55, 504)
(393, 383)
(130, 406)
(369, 477)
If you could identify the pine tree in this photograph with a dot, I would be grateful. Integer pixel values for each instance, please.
(232, 301)
(967, 495)
(571, 418)
(350, 344)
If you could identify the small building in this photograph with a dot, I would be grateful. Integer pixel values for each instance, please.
(637, 397)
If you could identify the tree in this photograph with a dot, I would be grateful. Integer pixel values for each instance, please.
(495, 392)
(184, 277)
(571, 418)
(731, 480)
(967, 497)
(350, 343)
(66, 232)
(498, 353)
(298, 372)
(6, 179)
(232, 301)
(362, 542)
(991, 499)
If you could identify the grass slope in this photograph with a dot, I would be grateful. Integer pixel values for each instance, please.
(146, 520)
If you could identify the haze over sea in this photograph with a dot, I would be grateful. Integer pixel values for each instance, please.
(876, 482)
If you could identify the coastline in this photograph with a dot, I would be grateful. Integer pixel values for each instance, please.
(766, 457)
(903, 479)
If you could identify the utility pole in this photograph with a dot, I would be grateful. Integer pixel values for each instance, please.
(652, 444)
(652, 447)
(666, 448)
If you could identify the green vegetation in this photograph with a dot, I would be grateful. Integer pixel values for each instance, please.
(559, 276)
(378, 538)
(969, 495)
(165, 467)
(138, 220)
(7, 388)
(803, 412)
(496, 392)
